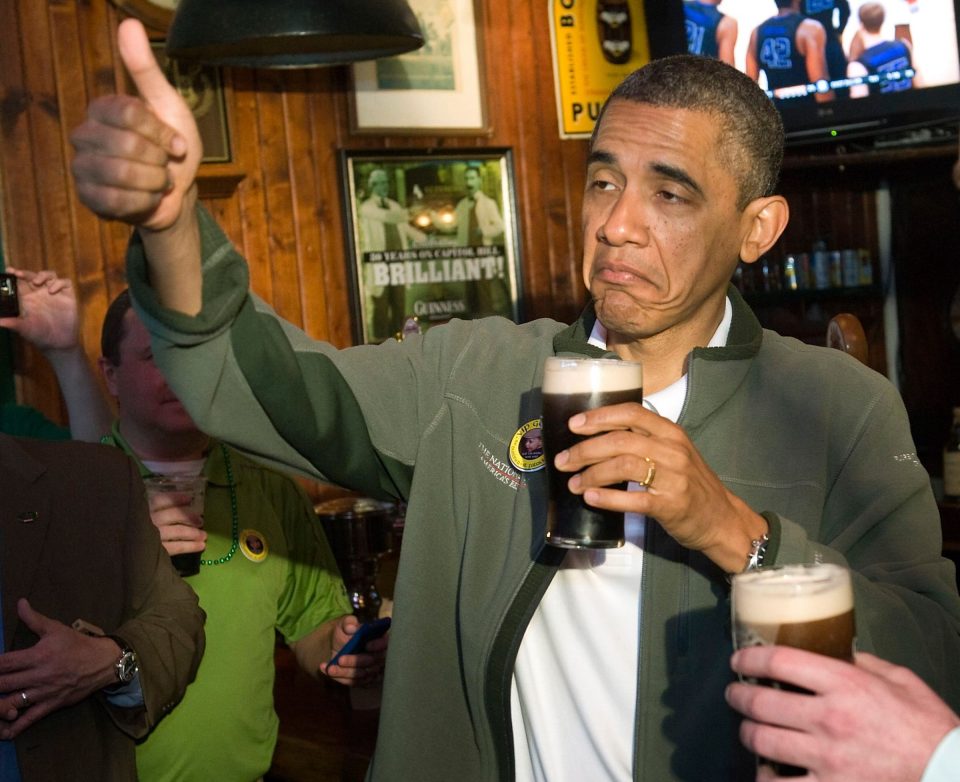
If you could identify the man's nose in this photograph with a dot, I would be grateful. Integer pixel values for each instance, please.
(625, 223)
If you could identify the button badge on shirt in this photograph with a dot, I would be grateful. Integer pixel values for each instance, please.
(254, 545)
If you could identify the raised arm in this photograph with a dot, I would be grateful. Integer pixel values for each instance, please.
(49, 319)
(136, 160)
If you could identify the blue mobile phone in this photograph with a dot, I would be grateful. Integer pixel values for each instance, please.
(365, 633)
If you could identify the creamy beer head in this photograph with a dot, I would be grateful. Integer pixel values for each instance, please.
(588, 375)
(806, 606)
(793, 593)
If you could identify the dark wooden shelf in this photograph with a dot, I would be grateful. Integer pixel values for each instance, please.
(848, 154)
(786, 296)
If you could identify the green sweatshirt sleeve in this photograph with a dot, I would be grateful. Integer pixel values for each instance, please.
(259, 383)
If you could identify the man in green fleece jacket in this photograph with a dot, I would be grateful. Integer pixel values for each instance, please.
(510, 659)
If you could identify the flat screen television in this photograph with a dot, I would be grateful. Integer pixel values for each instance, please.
(890, 91)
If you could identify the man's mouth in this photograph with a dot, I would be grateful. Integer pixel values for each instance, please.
(620, 273)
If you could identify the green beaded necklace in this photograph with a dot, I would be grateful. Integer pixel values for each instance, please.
(235, 524)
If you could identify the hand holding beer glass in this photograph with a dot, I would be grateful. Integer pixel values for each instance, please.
(804, 606)
(181, 491)
(570, 386)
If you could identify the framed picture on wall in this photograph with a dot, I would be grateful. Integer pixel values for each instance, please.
(202, 88)
(430, 236)
(437, 89)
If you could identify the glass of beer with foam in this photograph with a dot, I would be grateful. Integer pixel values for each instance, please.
(805, 606)
(570, 386)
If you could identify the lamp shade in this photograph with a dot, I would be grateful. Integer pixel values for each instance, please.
(291, 33)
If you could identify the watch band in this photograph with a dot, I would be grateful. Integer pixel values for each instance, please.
(126, 666)
(758, 548)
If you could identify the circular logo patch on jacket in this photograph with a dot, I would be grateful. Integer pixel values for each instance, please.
(526, 447)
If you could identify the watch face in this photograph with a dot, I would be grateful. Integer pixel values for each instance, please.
(127, 666)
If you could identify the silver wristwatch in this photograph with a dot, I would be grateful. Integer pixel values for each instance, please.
(126, 666)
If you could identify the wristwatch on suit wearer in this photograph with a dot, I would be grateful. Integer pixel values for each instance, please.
(126, 666)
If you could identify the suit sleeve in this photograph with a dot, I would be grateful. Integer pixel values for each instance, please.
(163, 621)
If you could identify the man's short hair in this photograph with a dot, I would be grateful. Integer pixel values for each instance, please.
(113, 330)
(872, 16)
(750, 142)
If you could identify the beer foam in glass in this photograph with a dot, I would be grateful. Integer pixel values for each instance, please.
(570, 386)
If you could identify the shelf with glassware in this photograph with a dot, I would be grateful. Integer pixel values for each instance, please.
(796, 294)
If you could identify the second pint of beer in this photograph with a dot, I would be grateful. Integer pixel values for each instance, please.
(804, 606)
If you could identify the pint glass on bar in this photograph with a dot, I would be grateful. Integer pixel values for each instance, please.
(571, 386)
(805, 606)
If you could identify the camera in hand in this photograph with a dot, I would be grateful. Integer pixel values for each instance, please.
(9, 301)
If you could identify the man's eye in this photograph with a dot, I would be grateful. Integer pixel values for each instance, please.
(602, 184)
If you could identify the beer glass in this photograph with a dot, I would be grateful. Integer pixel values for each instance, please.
(186, 490)
(571, 386)
(805, 606)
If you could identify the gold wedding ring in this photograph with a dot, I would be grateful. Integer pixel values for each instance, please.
(651, 472)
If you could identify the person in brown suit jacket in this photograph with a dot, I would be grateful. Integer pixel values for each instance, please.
(76, 543)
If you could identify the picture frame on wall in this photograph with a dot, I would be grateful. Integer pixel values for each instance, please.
(437, 89)
(430, 236)
(201, 86)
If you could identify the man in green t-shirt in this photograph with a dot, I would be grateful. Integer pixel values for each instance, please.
(265, 567)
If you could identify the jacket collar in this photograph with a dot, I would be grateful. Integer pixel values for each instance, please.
(713, 373)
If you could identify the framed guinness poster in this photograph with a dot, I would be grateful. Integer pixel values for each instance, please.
(430, 236)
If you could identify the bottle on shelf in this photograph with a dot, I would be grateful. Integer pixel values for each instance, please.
(820, 264)
(951, 460)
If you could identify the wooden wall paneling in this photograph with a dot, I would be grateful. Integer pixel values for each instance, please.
(513, 33)
(330, 102)
(295, 278)
(276, 158)
(251, 235)
(21, 207)
(83, 257)
(52, 242)
(318, 214)
(47, 133)
(274, 174)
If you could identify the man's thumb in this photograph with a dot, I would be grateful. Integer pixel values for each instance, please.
(35, 621)
(140, 63)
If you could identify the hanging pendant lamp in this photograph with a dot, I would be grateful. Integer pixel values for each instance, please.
(291, 33)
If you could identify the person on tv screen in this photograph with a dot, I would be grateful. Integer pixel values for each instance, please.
(833, 15)
(899, 15)
(890, 59)
(709, 32)
(790, 50)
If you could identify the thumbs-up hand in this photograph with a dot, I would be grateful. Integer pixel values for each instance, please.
(136, 158)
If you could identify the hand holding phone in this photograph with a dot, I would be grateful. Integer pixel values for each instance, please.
(9, 301)
(365, 633)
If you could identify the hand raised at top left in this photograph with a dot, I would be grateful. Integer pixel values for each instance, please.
(137, 157)
(48, 310)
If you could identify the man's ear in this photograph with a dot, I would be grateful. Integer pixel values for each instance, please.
(764, 220)
(107, 370)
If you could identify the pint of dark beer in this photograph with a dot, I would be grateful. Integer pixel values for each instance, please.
(571, 386)
(804, 606)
